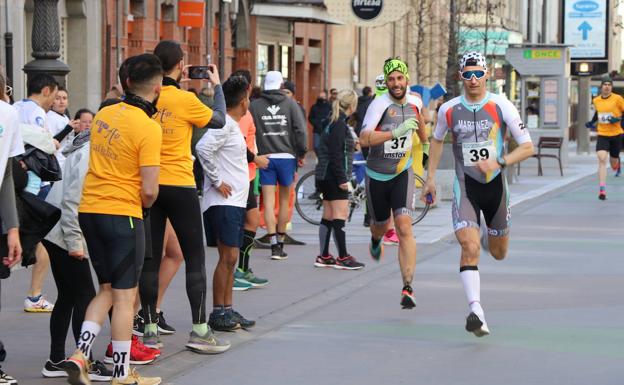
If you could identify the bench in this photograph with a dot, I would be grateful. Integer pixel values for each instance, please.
(548, 143)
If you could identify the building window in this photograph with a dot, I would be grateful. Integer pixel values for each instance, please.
(285, 61)
(265, 61)
(137, 8)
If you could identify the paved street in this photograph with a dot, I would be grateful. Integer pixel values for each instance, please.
(555, 307)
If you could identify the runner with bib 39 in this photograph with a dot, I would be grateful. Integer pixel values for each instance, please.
(478, 122)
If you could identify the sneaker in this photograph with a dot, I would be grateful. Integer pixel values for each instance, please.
(134, 378)
(376, 252)
(53, 370)
(277, 252)
(476, 325)
(139, 354)
(207, 344)
(391, 238)
(326, 261)
(138, 326)
(99, 372)
(77, 368)
(163, 326)
(602, 196)
(407, 298)
(241, 285)
(137, 344)
(38, 305)
(6, 379)
(222, 322)
(249, 277)
(242, 321)
(152, 340)
(348, 263)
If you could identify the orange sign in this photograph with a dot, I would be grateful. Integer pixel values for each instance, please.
(191, 14)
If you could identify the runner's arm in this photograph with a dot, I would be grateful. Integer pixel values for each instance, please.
(368, 136)
(437, 141)
(519, 132)
(149, 185)
(299, 129)
(335, 150)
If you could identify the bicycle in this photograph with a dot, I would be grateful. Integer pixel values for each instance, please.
(310, 206)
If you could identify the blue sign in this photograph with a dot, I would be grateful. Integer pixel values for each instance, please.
(585, 28)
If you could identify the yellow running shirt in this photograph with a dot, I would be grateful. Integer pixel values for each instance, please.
(613, 106)
(178, 112)
(123, 139)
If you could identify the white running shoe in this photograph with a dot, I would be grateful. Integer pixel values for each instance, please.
(40, 306)
(477, 325)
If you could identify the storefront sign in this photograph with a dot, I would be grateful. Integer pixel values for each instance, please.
(191, 14)
(542, 54)
(367, 9)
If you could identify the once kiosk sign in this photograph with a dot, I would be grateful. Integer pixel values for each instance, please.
(366, 9)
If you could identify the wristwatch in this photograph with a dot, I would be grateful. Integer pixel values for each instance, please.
(501, 162)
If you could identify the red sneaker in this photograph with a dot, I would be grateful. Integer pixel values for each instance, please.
(136, 342)
(137, 355)
(391, 238)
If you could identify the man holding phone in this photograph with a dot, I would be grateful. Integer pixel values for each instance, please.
(178, 112)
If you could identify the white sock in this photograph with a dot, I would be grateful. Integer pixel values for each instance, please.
(88, 332)
(472, 287)
(121, 359)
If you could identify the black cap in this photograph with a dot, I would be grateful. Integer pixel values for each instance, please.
(288, 85)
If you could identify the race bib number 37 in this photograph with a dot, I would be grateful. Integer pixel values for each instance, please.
(478, 151)
(396, 148)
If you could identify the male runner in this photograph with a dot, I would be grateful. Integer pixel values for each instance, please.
(121, 183)
(388, 129)
(478, 122)
(608, 117)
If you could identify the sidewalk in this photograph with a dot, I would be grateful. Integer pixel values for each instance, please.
(296, 288)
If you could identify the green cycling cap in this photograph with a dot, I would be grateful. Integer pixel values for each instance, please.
(394, 64)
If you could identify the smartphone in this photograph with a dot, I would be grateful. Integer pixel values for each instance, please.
(199, 72)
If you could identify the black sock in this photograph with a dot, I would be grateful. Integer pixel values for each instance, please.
(245, 250)
(375, 242)
(325, 230)
(340, 237)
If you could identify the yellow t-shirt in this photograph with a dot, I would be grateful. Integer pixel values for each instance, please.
(123, 139)
(178, 112)
(613, 106)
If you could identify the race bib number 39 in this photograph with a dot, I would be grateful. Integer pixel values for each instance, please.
(475, 152)
(397, 147)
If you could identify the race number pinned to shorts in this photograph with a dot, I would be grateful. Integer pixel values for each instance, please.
(603, 117)
(478, 151)
(397, 147)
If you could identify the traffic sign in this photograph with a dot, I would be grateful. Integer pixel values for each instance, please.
(585, 28)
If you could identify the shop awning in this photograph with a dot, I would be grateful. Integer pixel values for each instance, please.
(294, 11)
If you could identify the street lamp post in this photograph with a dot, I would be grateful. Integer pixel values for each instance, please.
(46, 42)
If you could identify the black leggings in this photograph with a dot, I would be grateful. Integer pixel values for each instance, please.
(181, 206)
(75, 291)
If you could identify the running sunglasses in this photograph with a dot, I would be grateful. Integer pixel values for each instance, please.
(478, 74)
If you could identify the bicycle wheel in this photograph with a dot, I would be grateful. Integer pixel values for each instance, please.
(309, 201)
(419, 209)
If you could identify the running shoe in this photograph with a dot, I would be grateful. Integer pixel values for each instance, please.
(163, 326)
(98, 372)
(222, 322)
(326, 261)
(138, 325)
(242, 321)
(241, 285)
(249, 277)
(376, 251)
(476, 325)
(54, 370)
(602, 196)
(134, 378)
(6, 379)
(391, 238)
(77, 368)
(139, 354)
(348, 263)
(407, 298)
(152, 340)
(37, 305)
(207, 344)
(277, 252)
